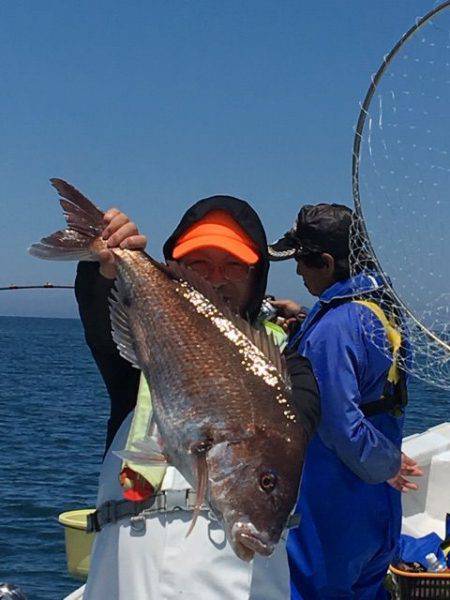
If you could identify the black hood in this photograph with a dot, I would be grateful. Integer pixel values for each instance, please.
(247, 218)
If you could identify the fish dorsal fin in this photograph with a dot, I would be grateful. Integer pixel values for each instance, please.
(259, 337)
(120, 324)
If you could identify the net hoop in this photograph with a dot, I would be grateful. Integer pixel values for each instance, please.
(356, 159)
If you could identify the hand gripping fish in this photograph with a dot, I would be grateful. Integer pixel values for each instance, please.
(221, 399)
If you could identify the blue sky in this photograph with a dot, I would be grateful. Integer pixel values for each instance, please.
(150, 106)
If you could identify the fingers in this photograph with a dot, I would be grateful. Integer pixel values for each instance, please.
(406, 460)
(402, 484)
(134, 242)
(286, 303)
(394, 483)
(287, 308)
(109, 214)
(409, 485)
(410, 467)
(116, 222)
(411, 471)
(284, 323)
(121, 232)
(124, 231)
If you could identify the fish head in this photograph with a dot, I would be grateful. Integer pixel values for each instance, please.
(253, 488)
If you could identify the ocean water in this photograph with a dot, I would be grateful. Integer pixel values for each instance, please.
(53, 412)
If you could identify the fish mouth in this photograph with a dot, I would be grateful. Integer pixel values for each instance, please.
(247, 543)
(254, 544)
(243, 552)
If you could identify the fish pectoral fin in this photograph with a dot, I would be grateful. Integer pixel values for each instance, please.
(147, 451)
(142, 458)
(149, 446)
(200, 450)
(120, 324)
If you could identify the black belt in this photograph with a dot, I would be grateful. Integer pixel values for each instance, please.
(393, 400)
(166, 501)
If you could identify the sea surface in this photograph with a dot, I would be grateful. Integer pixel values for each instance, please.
(53, 412)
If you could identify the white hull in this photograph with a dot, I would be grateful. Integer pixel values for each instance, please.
(424, 510)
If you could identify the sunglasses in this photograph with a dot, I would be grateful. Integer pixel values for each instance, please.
(230, 271)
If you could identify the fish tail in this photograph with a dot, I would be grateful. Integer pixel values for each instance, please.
(84, 226)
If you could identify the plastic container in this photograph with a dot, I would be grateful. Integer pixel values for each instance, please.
(434, 564)
(434, 586)
(78, 542)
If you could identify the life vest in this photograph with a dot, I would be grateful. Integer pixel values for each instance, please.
(139, 481)
(395, 395)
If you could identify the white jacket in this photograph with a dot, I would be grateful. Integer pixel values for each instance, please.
(160, 563)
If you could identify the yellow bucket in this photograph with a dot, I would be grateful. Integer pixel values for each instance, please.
(78, 542)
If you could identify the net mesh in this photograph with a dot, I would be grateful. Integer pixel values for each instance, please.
(401, 192)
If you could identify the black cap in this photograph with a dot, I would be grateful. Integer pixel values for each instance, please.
(317, 229)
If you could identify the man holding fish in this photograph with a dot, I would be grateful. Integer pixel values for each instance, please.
(220, 414)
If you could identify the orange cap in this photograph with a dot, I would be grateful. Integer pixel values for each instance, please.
(217, 229)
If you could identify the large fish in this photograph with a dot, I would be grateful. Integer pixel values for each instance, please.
(221, 400)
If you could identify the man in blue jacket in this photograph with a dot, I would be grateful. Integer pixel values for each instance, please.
(350, 513)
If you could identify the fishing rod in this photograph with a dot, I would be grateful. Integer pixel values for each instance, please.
(45, 286)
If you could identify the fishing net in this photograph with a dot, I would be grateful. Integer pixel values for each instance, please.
(401, 188)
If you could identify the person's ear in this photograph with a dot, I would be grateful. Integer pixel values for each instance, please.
(328, 263)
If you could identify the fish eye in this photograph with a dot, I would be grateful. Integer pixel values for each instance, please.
(268, 481)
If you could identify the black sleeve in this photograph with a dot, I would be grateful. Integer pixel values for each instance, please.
(121, 379)
(305, 392)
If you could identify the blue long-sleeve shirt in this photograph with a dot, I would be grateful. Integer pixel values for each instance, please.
(350, 516)
(337, 338)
